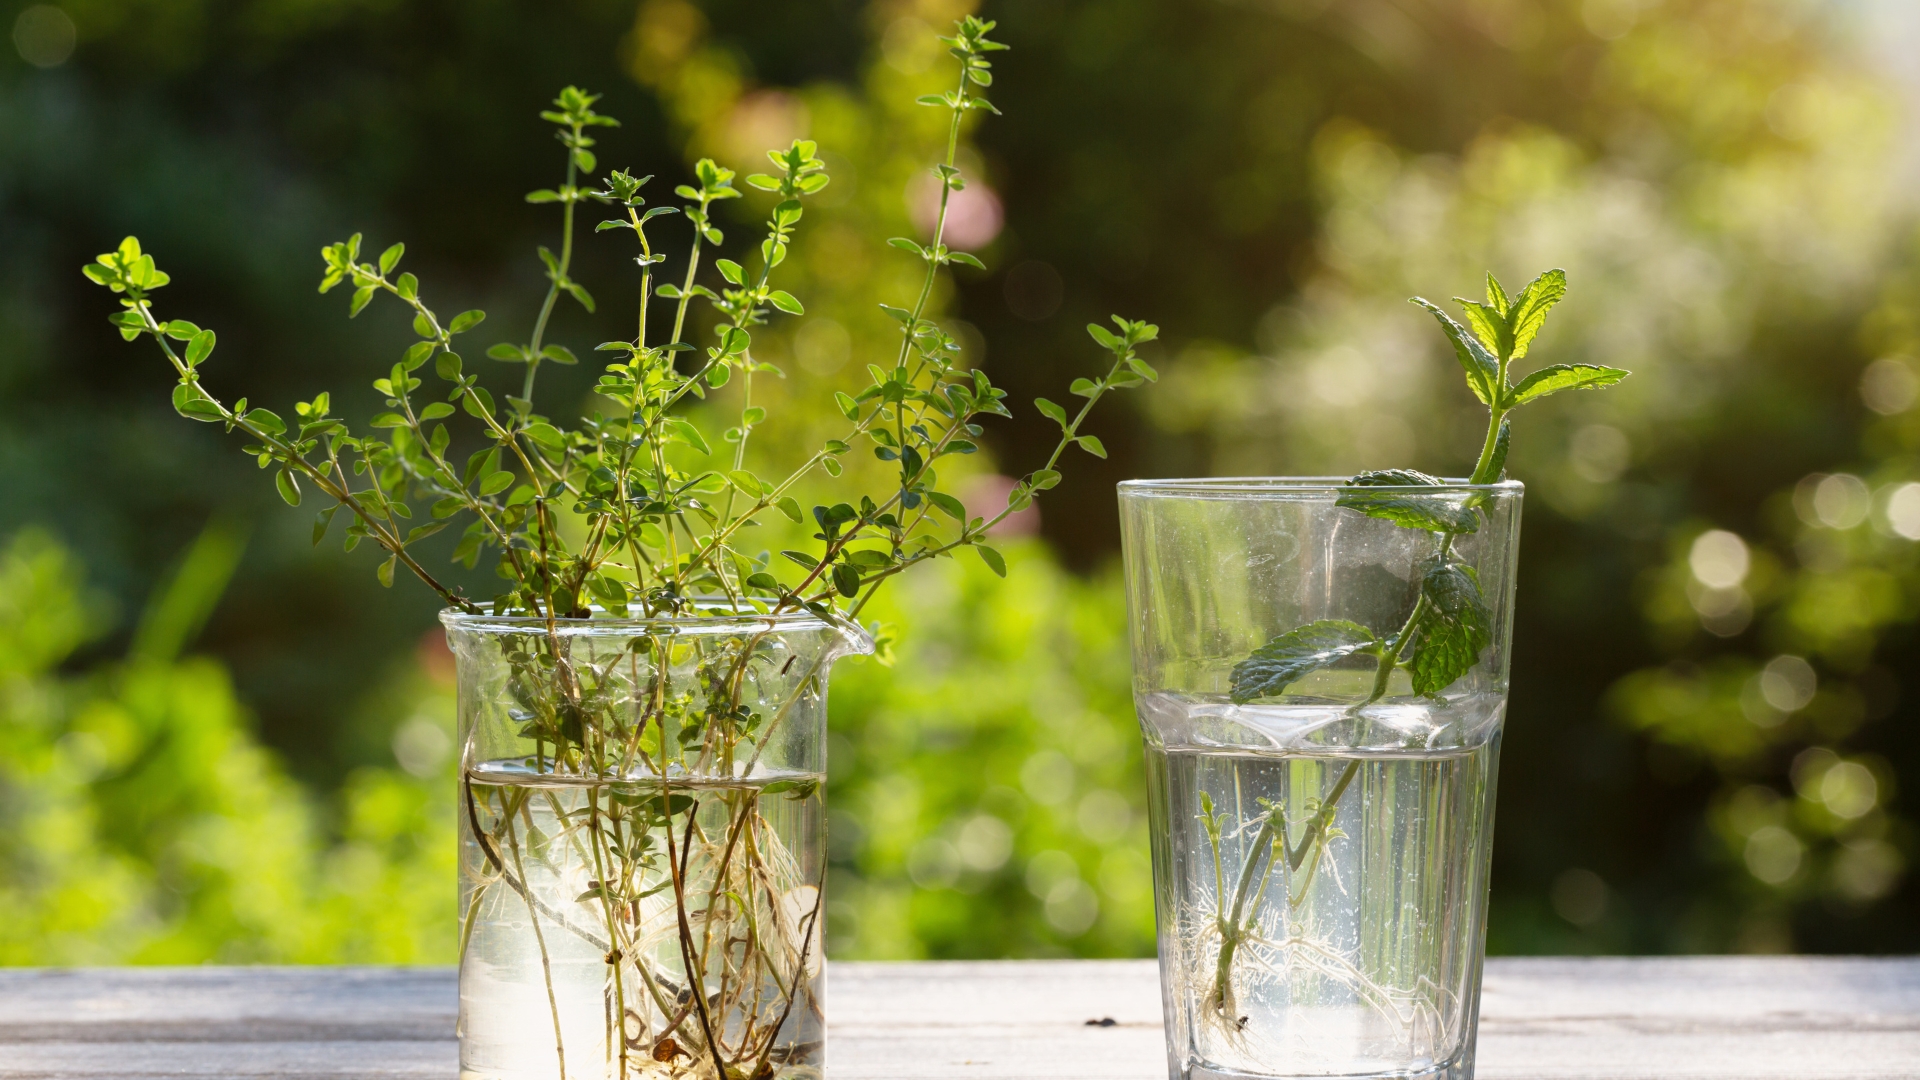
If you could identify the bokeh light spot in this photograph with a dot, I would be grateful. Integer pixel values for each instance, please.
(44, 36)
(1719, 559)
(1889, 385)
(1773, 854)
(1903, 511)
(1788, 683)
(1841, 501)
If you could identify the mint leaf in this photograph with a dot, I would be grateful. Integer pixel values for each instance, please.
(1483, 371)
(1454, 630)
(1497, 296)
(1529, 310)
(1407, 509)
(1558, 377)
(1295, 654)
(1489, 325)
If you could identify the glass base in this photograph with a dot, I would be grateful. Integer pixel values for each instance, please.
(1460, 1068)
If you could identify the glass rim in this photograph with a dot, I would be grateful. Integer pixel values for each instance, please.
(1254, 487)
(713, 622)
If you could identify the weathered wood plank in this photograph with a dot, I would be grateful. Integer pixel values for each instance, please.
(1551, 1019)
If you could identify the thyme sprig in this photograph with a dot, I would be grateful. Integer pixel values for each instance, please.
(653, 532)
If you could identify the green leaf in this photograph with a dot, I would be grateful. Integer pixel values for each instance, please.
(684, 431)
(1454, 631)
(1558, 377)
(266, 420)
(789, 507)
(1497, 296)
(1295, 654)
(731, 270)
(495, 483)
(1482, 370)
(199, 348)
(385, 572)
(390, 258)
(965, 259)
(580, 294)
(1489, 326)
(421, 532)
(748, 483)
(1104, 336)
(1407, 509)
(1048, 408)
(547, 435)
(189, 401)
(1044, 479)
(361, 298)
(1092, 446)
(512, 354)
(802, 558)
(995, 562)
(466, 321)
(846, 580)
(785, 302)
(559, 354)
(1084, 388)
(321, 521)
(289, 487)
(477, 401)
(1529, 310)
(948, 505)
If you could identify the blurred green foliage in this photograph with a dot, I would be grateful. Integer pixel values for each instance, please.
(144, 824)
(1716, 682)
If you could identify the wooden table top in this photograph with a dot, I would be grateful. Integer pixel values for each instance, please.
(1752, 1018)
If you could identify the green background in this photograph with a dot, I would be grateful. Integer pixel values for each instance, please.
(218, 742)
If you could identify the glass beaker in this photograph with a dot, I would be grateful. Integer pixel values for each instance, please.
(643, 844)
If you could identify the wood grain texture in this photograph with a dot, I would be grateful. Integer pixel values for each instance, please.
(1543, 1019)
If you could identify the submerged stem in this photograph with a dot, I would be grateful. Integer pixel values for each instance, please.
(1269, 842)
(546, 965)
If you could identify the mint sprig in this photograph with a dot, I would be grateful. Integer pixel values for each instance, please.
(1449, 625)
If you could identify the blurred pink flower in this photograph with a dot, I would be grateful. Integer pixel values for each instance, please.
(985, 496)
(973, 213)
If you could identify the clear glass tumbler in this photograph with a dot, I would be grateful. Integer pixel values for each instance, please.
(1320, 672)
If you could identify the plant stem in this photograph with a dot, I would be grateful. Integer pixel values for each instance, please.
(546, 966)
(568, 196)
(1269, 841)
